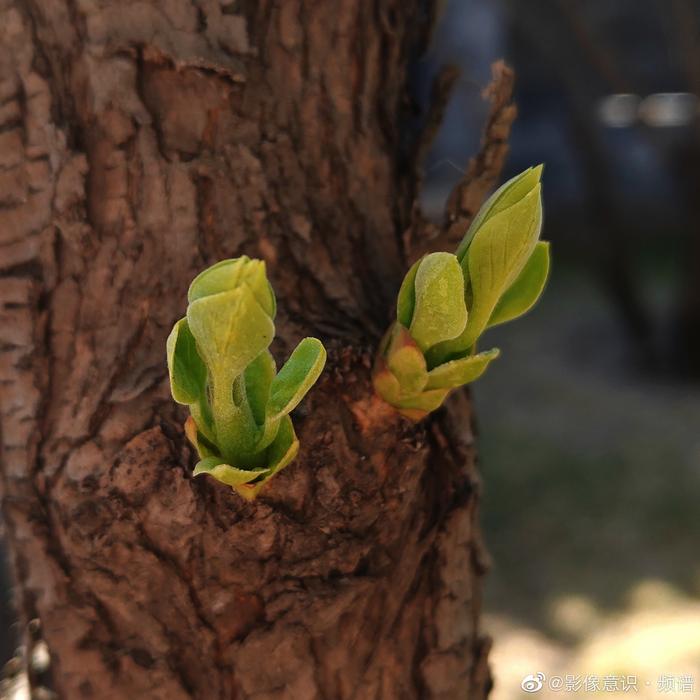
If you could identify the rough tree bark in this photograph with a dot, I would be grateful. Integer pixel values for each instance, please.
(140, 142)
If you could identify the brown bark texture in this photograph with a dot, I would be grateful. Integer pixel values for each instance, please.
(140, 142)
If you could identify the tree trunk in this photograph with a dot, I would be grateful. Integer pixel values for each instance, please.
(139, 143)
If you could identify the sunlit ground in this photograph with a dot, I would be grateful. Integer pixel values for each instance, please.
(650, 642)
(16, 688)
(592, 482)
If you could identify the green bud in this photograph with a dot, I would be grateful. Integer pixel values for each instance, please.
(405, 360)
(220, 366)
(228, 275)
(504, 197)
(497, 255)
(494, 252)
(447, 301)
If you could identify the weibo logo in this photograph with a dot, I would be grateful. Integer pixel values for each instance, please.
(533, 682)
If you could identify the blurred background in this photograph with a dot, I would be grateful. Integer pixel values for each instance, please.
(589, 437)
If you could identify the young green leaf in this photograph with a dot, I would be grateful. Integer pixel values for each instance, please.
(418, 406)
(504, 197)
(231, 329)
(214, 466)
(497, 255)
(440, 311)
(522, 295)
(406, 302)
(462, 371)
(281, 453)
(188, 374)
(284, 448)
(227, 275)
(296, 377)
(258, 377)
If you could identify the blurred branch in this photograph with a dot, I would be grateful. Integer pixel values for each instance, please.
(482, 173)
(686, 29)
(439, 97)
(598, 56)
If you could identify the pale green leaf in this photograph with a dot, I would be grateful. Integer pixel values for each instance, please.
(522, 295)
(267, 434)
(462, 371)
(496, 257)
(259, 381)
(284, 448)
(258, 377)
(504, 197)
(188, 374)
(297, 376)
(280, 454)
(418, 406)
(227, 275)
(406, 302)
(231, 476)
(231, 329)
(440, 311)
